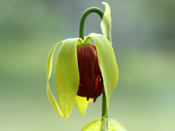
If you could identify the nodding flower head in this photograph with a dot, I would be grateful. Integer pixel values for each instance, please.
(83, 71)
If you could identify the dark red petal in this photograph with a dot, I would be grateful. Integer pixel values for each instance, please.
(81, 90)
(99, 87)
(89, 71)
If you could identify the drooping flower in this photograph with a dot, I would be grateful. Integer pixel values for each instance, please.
(83, 71)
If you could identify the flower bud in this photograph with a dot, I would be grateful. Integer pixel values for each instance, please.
(91, 81)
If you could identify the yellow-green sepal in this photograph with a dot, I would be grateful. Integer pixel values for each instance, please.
(49, 70)
(107, 64)
(67, 76)
(82, 103)
(106, 22)
(97, 126)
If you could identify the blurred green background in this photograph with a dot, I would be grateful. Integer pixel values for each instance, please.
(143, 33)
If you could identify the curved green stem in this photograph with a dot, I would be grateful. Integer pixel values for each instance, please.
(104, 108)
(83, 18)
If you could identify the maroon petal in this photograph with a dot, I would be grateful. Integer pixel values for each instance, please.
(91, 83)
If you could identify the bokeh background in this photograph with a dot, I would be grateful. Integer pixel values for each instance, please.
(143, 33)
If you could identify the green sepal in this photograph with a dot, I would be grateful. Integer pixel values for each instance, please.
(49, 70)
(107, 64)
(106, 22)
(67, 76)
(97, 125)
(82, 103)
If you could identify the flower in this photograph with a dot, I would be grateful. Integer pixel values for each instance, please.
(91, 81)
(83, 71)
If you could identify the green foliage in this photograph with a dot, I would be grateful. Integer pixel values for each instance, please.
(96, 126)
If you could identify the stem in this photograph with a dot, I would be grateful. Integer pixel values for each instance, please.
(83, 18)
(104, 108)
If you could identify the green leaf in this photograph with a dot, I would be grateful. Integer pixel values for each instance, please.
(107, 64)
(49, 70)
(67, 76)
(95, 126)
(106, 22)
